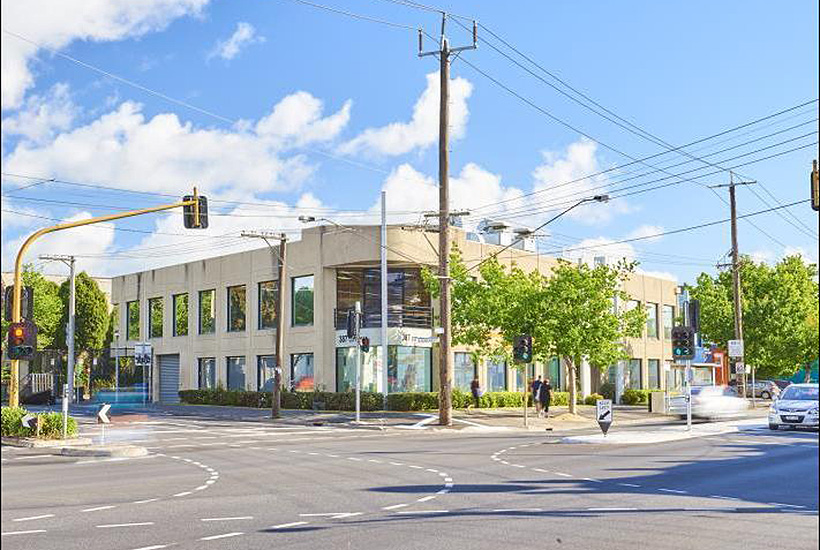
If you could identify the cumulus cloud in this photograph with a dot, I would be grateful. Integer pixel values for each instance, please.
(561, 178)
(647, 232)
(163, 153)
(53, 24)
(41, 117)
(421, 131)
(244, 35)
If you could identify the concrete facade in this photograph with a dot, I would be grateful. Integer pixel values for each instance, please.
(322, 252)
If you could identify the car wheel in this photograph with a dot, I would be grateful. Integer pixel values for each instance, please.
(765, 395)
(773, 426)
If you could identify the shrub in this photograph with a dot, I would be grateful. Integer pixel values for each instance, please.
(635, 397)
(592, 398)
(11, 426)
(608, 390)
(560, 399)
(51, 424)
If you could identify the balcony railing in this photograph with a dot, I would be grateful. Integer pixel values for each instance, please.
(397, 316)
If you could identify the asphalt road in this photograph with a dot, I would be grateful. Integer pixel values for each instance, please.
(223, 484)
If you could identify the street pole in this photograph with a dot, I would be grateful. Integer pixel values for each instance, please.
(358, 363)
(70, 325)
(384, 304)
(446, 354)
(688, 376)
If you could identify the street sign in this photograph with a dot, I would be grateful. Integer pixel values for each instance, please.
(29, 421)
(603, 413)
(735, 348)
(102, 414)
(142, 354)
(740, 368)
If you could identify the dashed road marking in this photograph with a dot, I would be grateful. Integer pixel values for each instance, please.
(395, 507)
(674, 491)
(289, 525)
(516, 510)
(145, 501)
(425, 499)
(154, 547)
(633, 485)
(98, 508)
(115, 525)
(183, 494)
(29, 532)
(223, 536)
(32, 518)
(412, 512)
(234, 518)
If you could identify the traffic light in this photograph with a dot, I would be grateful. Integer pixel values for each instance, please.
(195, 215)
(365, 345)
(522, 349)
(22, 340)
(815, 187)
(683, 343)
(694, 315)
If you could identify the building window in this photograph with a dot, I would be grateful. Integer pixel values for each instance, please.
(654, 366)
(652, 320)
(346, 369)
(554, 374)
(236, 308)
(236, 372)
(207, 373)
(265, 365)
(407, 298)
(207, 320)
(132, 328)
(155, 318)
(302, 301)
(496, 375)
(668, 321)
(464, 370)
(635, 379)
(180, 321)
(268, 291)
(409, 369)
(301, 372)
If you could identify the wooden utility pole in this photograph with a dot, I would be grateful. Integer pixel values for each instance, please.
(445, 339)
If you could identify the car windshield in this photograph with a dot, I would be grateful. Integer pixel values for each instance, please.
(796, 393)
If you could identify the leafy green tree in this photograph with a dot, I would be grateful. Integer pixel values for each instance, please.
(91, 314)
(581, 320)
(47, 307)
(779, 307)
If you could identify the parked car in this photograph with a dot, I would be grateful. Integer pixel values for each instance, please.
(765, 389)
(710, 402)
(797, 407)
(783, 384)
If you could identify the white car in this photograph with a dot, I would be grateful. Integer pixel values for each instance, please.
(710, 402)
(796, 407)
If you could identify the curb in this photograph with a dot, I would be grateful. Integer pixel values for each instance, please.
(114, 451)
(30, 442)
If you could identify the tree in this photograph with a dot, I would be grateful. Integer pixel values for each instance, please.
(779, 308)
(47, 307)
(582, 322)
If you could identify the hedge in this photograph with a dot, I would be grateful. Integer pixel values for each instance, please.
(592, 398)
(635, 397)
(51, 424)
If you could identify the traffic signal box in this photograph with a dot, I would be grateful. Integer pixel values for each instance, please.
(522, 349)
(683, 343)
(195, 216)
(22, 340)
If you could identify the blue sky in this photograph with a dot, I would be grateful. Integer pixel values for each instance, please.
(312, 112)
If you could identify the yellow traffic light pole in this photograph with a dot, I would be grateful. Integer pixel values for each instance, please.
(14, 383)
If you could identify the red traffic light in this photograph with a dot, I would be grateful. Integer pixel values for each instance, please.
(22, 340)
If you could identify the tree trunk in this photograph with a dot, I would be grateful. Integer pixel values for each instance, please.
(572, 387)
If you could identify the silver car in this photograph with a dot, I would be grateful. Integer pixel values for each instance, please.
(765, 389)
(710, 402)
(796, 407)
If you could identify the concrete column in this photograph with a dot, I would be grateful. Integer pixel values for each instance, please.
(586, 378)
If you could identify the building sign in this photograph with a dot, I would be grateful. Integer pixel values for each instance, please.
(399, 336)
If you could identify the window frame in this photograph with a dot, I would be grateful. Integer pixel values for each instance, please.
(293, 304)
(128, 334)
(294, 359)
(652, 306)
(174, 327)
(200, 294)
(244, 363)
(667, 330)
(199, 377)
(259, 293)
(228, 309)
(151, 303)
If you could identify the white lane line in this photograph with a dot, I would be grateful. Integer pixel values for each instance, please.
(145, 501)
(183, 494)
(375, 461)
(154, 547)
(562, 474)
(234, 518)
(675, 491)
(98, 508)
(448, 479)
(402, 464)
(224, 536)
(541, 470)
(628, 485)
(424, 512)
(519, 466)
(334, 515)
(210, 481)
(135, 524)
(593, 480)
(31, 518)
(516, 510)
(289, 525)
(723, 498)
(31, 456)
(769, 503)
(612, 509)
(395, 507)
(425, 499)
(354, 458)
(201, 487)
(30, 532)
(431, 470)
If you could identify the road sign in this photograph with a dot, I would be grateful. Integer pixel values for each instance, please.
(735, 348)
(29, 421)
(142, 354)
(102, 414)
(603, 413)
(740, 368)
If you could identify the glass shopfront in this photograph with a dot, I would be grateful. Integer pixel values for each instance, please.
(409, 369)
(346, 369)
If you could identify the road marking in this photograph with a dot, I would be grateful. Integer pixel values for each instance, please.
(448, 479)
(520, 466)
(354, 458)
(402, 464)
(31, 518)
(675, 491)
(516, 510)
(592, 480)
(770, 503)
(541, 470)
(612, 509)
(183, 494)
(334, 515)
(425, 499)
(288, 525)
(32, 531)
(31, 456)
(210, 481)
(414, 466)
(154, 547)
(424, 512)
(136, 524)
(234, 518)
(628, 485)
(562, 474)
(375, 461)
(201, 487)
(723, 498)
(395, 507)
(145, 501)
(226, 535)
(98, 508)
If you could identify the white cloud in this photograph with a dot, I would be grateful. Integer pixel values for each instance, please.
(53, 24)
(762, 256)
(244, 35)
(553, 177)
(588, 249)
(645, 231)
(165, 154)
(42, 116)
(421, 131)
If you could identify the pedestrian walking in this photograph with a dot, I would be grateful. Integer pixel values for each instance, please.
(475, 389)
(535, 387)
(545, 396)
